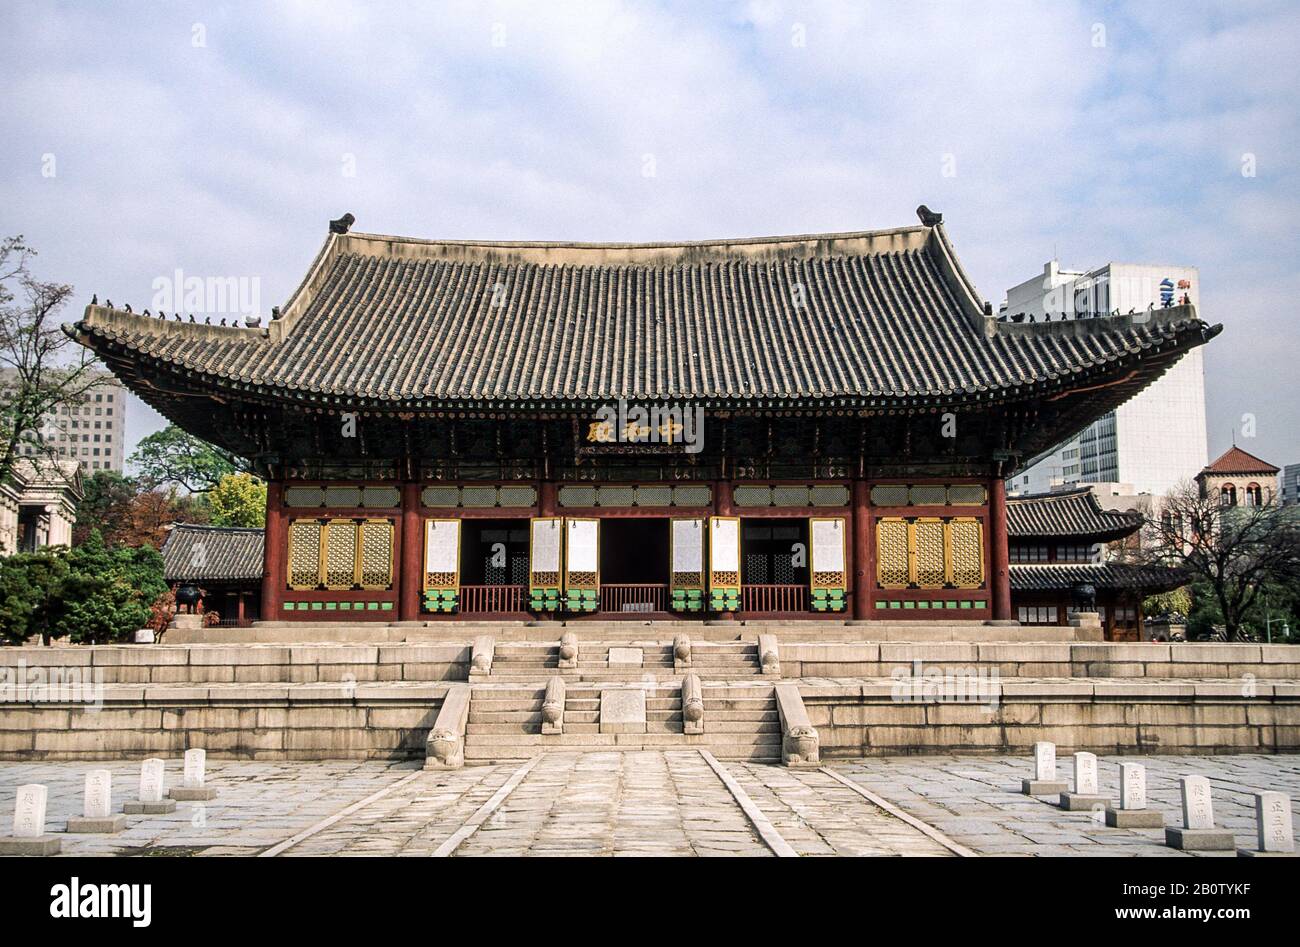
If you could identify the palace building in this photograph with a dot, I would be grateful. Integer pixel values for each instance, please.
(771, 427)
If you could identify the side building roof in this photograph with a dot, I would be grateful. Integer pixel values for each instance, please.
(213, 554)
(1073, 514)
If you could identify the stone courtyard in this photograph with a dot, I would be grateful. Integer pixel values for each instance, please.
(673, 802)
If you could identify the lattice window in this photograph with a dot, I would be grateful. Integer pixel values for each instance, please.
(615, 496)
(894, 494)
(440, 496)
(654, 496)
(967, 494)
(304, 497)
(891, 553)
(966, 553)
(752, 496)
(518, 496)
(789, 496)
(340, 554)
(381, 497)
(375, 563)
(691, 496)
(929, 495)
(829, 495)
(577, 496)
(304, 554)
(344, 497)
(929, 570)
(478, 497)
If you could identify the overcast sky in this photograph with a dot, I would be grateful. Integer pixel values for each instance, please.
(220, 138)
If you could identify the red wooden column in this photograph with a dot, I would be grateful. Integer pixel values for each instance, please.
(547, 503)
(1001, 577)
(864, 560)
(411, 582)
(273, 563)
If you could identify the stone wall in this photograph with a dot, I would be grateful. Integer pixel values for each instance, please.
(251, 721)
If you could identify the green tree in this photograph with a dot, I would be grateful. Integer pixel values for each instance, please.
(173, 456)
(30, 585)
(239, 499)
(106, 496)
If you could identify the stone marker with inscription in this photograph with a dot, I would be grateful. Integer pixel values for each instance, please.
(29, 836)
(1044, 782)
(153, 778)
(1272, 826)
(97, 809)
(1084, 796)
(622, 710)
(1197, 832)
(192, 788)
(1133, 812)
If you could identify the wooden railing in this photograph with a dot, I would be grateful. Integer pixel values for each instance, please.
(478, 599)
(774, 598)
(630, 598)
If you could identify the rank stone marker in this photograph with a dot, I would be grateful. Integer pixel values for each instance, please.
(29, 836)
(192, 788)
(1198, 833)
(153, 776)
(1084, 797)
(1272, 827)
(622, 710)
(97, 809)
(1133, 812)
(1044, 782)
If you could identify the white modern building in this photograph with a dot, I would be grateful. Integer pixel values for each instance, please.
(92, 432)
(1153, 441)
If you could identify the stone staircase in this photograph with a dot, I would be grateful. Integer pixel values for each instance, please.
(529, 662)
(505, 721)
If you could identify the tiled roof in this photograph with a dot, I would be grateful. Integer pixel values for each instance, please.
(213, 554)
(1068, 514)
(1048, 577)
(862, 318)
(1237, 461)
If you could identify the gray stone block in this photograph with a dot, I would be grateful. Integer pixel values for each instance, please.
(193, 793)
(1075, 802)
(1134, 819)
(1043, 787)
(79, 825)
(1200, 840)
(150, 808)
(41, 845)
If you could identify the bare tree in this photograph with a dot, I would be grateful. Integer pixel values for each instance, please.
(1233, 550)
(41, 369)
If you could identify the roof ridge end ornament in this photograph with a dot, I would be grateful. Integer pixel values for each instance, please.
(342, 224)
(928, 217)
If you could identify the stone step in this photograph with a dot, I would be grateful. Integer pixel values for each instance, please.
(504, 716)
(482, 729)
(740, 726)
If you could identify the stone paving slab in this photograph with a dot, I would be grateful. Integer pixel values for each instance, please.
(650, 803)
(976, 800)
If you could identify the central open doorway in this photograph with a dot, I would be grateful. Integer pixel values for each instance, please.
(774, 565)
(633, 565)
(493, 565)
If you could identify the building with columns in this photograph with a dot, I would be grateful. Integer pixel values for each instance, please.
(801, 426)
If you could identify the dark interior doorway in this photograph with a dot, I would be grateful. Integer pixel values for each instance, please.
(634, 550)
(494, 552)
(774, 552)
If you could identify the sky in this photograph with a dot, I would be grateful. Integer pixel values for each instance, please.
(218, 139)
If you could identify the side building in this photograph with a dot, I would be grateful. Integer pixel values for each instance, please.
(1063, 547)
(223, 564)
(802, 426)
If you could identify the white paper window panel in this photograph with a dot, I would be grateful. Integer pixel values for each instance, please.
(546, 545)
(724, 545)
(583, 545)
(688, 546)
(442, 545)
(828, 545)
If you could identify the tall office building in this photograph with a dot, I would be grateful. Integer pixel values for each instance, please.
(93, 432)
(1153, 441)
(1290, 484)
